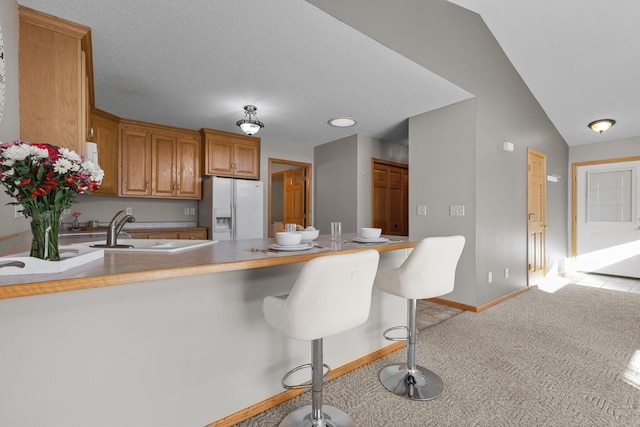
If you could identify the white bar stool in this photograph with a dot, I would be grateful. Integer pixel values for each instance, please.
(429, 271)
(331, 295)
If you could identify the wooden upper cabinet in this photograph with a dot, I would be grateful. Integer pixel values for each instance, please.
(163, 169)
(188, 175)
(230, 154)
(104, 128)
(158, 161)
(56, 80)
(135, 162)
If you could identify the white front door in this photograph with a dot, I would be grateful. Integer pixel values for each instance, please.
(608, 218)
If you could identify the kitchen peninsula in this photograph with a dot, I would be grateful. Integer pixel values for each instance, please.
(180, 341)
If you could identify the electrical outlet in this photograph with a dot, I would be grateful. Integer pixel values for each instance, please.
(193, 211)
(421, 210)
(17, 213)
(186, 211)
(506, 272)
(66, 212)
(128, 211)
(490, 277)
(456, 210)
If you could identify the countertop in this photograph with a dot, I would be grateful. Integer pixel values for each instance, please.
(118, 268)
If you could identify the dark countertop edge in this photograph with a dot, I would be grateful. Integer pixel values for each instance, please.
(45, 285)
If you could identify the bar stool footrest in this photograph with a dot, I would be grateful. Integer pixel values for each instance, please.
(386, 336)
(306, 384)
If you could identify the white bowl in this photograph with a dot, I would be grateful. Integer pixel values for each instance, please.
(286, 238)
(370, 233)
(309, 235)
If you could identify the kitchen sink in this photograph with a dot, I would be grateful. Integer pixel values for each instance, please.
(150, 245)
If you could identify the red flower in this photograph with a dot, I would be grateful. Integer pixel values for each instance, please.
(24, 182)
(38, 192)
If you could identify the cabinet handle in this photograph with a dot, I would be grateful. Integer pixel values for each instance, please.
(90, 132)
(146, 185)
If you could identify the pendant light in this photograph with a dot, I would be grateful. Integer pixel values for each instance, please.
(250, 124)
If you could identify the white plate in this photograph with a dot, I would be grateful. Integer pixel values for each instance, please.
(300, 247)
(371, 240)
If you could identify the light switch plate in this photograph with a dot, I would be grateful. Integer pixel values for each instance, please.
(456, 210)
(421, 210)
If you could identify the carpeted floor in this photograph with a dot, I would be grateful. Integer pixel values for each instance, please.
(570, 358)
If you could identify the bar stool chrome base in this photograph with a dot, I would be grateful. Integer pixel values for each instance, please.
(332, 417)
(421, 384)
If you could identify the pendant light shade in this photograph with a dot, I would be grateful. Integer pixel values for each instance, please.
(250, 124)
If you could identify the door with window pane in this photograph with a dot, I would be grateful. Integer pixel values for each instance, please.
(607, 218)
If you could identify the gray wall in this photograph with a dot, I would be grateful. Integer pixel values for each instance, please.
(10, 123)
(336, 184)
(369, 148)
(456, 44)
(343, 179)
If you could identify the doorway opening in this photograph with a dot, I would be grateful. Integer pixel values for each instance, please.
(289, 194)
(536, 216)
(605, 199)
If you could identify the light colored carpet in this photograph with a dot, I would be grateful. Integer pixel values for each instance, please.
(571, 358)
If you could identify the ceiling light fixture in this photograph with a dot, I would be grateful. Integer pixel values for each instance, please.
(601, 125)
(342, 122)
(250, 124)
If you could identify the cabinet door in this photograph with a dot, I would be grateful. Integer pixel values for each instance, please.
(105, 135)
(135, 162)
(163, 169)
(163, 235)
(246, 160)
(219, 157)
(188, 169)
(193, 235)
(52, 86)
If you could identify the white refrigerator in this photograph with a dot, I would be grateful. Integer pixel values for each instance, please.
(232, 209)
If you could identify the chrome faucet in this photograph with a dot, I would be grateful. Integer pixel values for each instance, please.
(115, 227)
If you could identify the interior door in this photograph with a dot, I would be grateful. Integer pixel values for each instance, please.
(389, 197)
(536, 215)
(607, 233)
(294, 196)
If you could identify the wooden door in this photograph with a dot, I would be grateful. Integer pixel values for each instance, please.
(294, 197)
(536, 215)
(389, 197)
(163, 169)
(188, 169)
(135, 162)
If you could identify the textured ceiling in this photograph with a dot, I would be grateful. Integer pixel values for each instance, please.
(579, 58)
(196, 63)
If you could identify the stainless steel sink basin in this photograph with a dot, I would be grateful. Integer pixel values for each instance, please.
(150, 245)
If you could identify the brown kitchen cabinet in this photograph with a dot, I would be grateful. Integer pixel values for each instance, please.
(104, 128)
(169, 233)
(56, 80)
(231, 155)
(158, 161)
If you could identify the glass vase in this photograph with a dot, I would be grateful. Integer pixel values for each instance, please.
(44, 231)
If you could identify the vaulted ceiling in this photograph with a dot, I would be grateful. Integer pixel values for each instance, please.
(196, 63)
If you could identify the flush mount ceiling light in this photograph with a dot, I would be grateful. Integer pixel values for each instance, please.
(601, 125)
(342, 122)
(250, 124)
